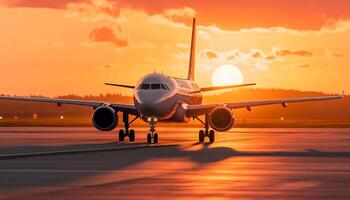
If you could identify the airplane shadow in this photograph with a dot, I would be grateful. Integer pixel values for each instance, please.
(100, 162)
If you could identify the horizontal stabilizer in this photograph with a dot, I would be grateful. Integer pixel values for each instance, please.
(206, 89)
(120, 85)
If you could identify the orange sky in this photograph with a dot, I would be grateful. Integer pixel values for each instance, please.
(73, 46)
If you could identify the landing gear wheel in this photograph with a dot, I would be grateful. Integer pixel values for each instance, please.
(121, 135)
(149, 138)
(201, 136)
(132, 135)
(155, 138)
(211, 136)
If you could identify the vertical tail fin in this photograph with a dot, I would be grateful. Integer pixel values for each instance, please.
(192, 54)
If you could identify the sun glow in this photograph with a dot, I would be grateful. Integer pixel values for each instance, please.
(227, 75)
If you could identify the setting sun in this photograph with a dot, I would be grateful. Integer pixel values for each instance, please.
(227, 75)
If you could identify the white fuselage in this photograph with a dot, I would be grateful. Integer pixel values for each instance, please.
(165, 98)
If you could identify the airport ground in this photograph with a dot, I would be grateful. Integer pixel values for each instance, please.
(244, 163)
(85, 121)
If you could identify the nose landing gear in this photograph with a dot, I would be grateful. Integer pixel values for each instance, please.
(152, 130)
(206, 133)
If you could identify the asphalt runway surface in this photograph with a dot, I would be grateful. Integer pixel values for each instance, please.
(82, 163)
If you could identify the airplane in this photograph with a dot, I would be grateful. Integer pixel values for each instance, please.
(159, 97)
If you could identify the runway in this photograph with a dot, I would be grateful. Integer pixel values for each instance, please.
(82, 163)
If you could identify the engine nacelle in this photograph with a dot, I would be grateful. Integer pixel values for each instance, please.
(221, 118)
(105, 118)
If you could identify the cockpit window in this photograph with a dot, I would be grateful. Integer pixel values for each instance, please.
(164, 87)
(155, 86)
(145, 86)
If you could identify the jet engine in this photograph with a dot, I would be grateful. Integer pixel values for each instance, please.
(105, 118)
(221, 118)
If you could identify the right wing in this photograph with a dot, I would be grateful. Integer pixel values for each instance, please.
(128, 108)
(206, 89)
(196, 110)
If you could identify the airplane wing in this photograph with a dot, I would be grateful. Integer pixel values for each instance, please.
(120, 85)
(196, 110)
(129, 108)
(207, 89)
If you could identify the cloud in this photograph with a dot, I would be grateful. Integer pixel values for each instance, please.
(105, 34)
(256, 58)
(182, 46)
(270, 57)
(94, 10)
(329, 53)
(209, 54)
(61, 4)
(303, 65)
(88, 8)
(257, 54)
(179, 14)
(203, 34)
(284, 52)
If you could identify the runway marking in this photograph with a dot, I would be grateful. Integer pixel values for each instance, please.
(79, 151)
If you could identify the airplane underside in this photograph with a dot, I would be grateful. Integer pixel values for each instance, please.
(152, 135)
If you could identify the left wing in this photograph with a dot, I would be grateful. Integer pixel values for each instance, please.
(128, 108)
(120, 85)
(196, 110)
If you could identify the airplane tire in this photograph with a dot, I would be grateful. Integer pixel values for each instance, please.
(201, 136)
(132, 135)
(155, 138)
(149, 138)
(211, 136)
(121, 135)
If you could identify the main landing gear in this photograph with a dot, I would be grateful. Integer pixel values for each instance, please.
(152, 130)
(126, 132)
(206, 133)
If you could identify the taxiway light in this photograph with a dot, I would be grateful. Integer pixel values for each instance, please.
(61, 117)
(1, 117)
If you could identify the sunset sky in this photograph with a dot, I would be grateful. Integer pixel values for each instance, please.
(74, 46)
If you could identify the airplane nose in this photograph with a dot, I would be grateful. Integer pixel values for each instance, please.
(150, 104)
(147, 99)
(148, 109)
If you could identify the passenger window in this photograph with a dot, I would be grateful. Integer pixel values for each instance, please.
(145, 86)
(183, 84)
(194, 86)
(155, 86)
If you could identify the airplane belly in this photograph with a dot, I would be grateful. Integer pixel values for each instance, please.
(168, 109)
(179, 112)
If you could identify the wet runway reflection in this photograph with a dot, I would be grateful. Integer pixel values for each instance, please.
(241, 164)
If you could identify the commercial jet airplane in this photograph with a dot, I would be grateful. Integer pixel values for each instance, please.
(158, 97)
